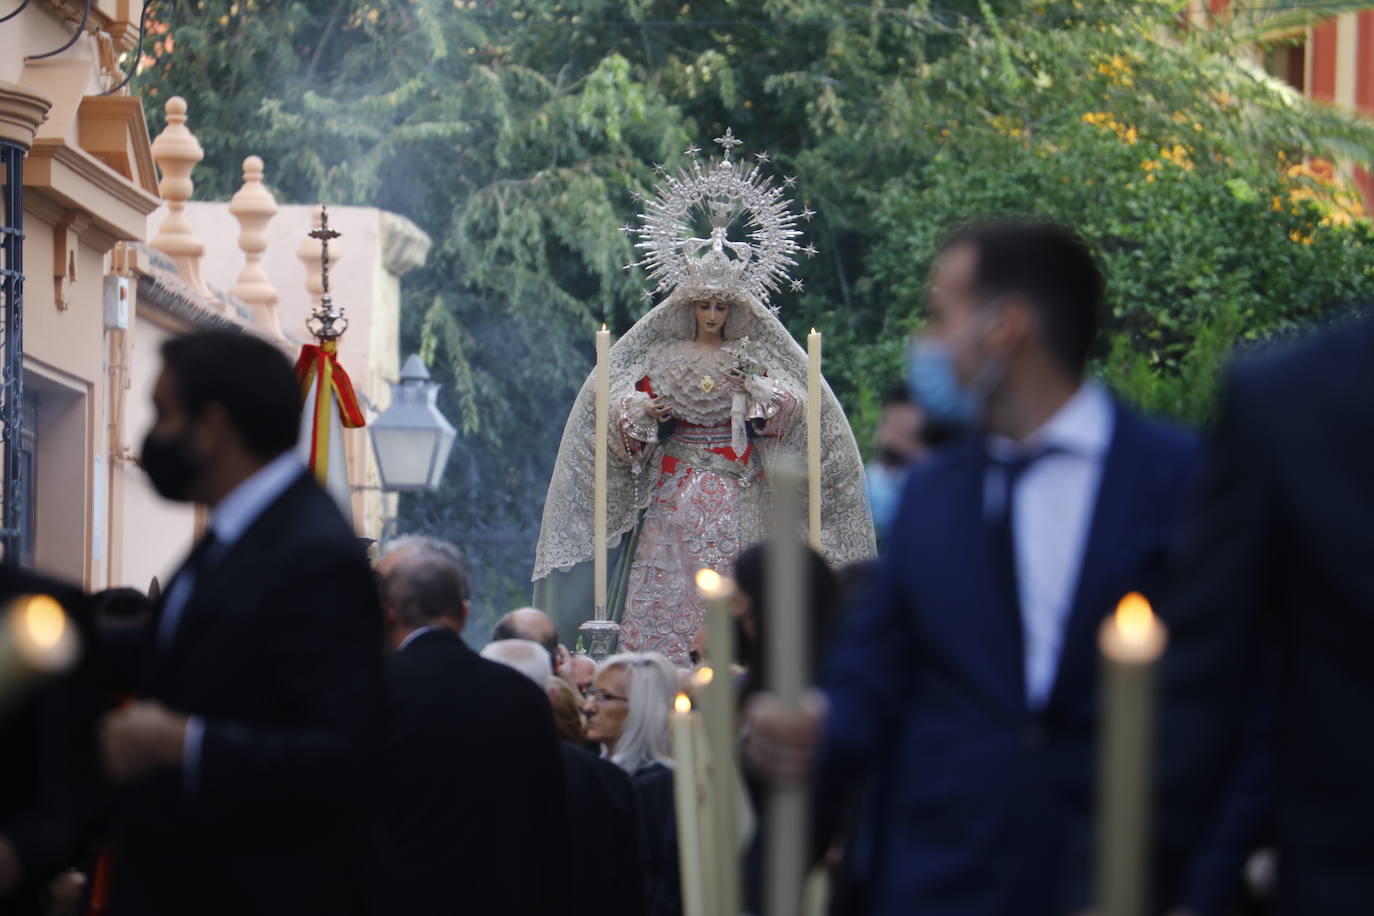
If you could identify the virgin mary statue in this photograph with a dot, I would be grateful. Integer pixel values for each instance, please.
(707, 390)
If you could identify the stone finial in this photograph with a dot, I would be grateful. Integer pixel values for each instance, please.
(176, 151)
(254, 206)
(310, 253)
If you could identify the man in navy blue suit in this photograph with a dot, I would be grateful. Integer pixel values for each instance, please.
(966, 677)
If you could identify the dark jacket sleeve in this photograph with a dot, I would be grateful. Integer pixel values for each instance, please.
(632, 894)
(1216, 765)
(325, 658)
(866, 675)
(653, 787)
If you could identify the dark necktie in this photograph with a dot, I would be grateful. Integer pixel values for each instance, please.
(1002, 534)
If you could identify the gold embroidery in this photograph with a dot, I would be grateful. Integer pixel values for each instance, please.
(708, 384)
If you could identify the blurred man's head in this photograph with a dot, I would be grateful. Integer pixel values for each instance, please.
(422, 587)
(529, 623)
(903, 438)
(532, 660)
(1014, 309)
(899, 436)
(529, 658)
(583, 670)
(225, 404)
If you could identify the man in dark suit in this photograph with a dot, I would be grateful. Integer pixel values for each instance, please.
(601, 805)
(1275, 618)
(967, 675)
(245, 762)
(473, 772)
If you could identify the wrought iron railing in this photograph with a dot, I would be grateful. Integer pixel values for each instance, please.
(13, 481)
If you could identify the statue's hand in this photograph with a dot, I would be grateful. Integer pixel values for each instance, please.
(656, 411)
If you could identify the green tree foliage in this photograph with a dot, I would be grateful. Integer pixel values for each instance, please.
(1181, 163)
(516, 133)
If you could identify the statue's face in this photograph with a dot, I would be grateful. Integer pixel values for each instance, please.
(711, 316)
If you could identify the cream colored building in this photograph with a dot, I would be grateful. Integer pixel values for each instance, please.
(110, 270)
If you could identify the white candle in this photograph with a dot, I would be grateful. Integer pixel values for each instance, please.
(686, 798)
(603, 396)
(718, 692)
(786, 638)
(1131, 640)
(813, 434)
(36, 640)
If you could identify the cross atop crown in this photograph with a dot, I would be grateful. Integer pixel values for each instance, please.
(729, 142)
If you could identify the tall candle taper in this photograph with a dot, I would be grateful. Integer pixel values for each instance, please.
(717, 595)
(603, 397)
(813, 435)
(685, 797)
(1131, 640)
(786, 637)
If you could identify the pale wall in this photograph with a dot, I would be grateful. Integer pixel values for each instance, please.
(154, 534)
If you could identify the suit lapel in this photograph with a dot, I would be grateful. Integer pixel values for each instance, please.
(1107, 545)
(235, 569)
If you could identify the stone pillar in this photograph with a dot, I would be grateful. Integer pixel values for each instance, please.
(309, 253)
(254, 206)
(176, 151)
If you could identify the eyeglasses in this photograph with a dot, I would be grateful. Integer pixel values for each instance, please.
(601, 696)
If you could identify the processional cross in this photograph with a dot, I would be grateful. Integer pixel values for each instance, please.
(327, 323)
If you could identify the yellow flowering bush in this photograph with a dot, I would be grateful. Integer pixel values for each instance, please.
(1217, 218)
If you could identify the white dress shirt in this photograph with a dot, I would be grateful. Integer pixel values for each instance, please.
(230, 519)
(1053, 503)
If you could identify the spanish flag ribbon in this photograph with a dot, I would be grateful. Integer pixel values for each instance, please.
(324, 383)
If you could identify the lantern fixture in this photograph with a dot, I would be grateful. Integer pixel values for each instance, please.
(411, 438)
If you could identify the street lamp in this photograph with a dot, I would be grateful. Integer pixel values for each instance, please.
(411, 437)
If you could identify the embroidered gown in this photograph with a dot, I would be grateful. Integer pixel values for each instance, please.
(708, 497)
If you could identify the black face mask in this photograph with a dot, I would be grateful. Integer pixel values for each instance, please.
(170, 466)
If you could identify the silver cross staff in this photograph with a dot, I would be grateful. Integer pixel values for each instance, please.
(326, 322)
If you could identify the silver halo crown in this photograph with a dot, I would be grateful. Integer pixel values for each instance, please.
(724, 191)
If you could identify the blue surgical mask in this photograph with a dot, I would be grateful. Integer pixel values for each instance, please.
(935, 386)
(884, 494)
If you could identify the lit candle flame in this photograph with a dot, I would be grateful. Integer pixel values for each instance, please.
(813, 330)
(43, 621)
(603, 327)
(705, 675)
(1134, 618)
(42, 632)
(682, 703)
(709, 582)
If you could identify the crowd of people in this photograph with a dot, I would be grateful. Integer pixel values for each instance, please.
(288, 729)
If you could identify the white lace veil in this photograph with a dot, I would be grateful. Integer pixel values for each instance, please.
(565, 537)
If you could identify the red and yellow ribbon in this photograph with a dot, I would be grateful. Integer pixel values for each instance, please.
(320, 364)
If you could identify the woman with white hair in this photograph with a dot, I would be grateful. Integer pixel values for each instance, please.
(627, 713)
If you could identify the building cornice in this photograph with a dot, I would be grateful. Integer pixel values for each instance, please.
(160, 289)
(21, 111)
(79, 181)
(114, 132)
(404, 244)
